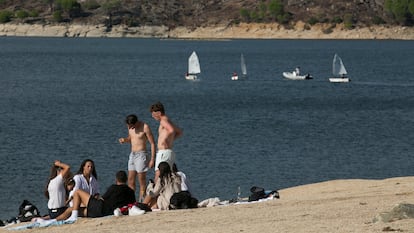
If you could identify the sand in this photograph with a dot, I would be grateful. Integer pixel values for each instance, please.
(331, 206)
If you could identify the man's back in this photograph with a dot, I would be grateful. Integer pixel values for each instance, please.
(117, 196)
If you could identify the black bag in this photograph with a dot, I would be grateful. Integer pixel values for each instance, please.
(27, 211)
(183, 200)
(257, 193)
(143, 206)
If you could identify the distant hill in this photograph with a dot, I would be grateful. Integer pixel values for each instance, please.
(200, 13)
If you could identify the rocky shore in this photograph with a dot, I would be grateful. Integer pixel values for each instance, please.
(241, 31)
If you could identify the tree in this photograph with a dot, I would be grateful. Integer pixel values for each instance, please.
(245, 15)
(400, 10)
(5, 16)
(276, 9)
(71, 7)
(411, 7)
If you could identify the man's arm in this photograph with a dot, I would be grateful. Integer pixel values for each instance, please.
(151, 140)
(171, 128)
(125, 140)
(178, 131)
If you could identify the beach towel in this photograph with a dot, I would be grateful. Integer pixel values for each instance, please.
(38, 224)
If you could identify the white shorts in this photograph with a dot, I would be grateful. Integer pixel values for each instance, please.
(138, 161)
(165, 156)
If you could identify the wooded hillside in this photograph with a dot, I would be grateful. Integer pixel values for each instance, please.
(196, 13)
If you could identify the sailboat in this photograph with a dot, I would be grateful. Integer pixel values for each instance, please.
(338, 71)
(243, 70)
(193, 67)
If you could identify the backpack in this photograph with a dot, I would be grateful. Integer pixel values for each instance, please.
(257, 193)
(182, 200)
(27, 211)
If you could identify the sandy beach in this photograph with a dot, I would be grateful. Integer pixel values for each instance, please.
(332, 206)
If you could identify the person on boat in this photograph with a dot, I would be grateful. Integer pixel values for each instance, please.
(167, 133)
(55, 189)
(139, 133)
(297, 71)
(168, 183)
(116, 196)
(86, 178)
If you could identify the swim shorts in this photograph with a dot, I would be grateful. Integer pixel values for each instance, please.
(138, 161)
(53, 213)
(165, 156)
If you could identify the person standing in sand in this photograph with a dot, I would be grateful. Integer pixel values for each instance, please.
(139, 133)
(167, 133)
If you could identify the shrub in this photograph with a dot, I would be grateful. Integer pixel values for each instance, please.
(276, 8)
(33, 13)
(57, 16)
(400, 10)
(411, 7)
(254, 17)
(111, 5)
(348, 21)
(377, 20)
(337, 20)
(21, 14)
(90, 5)
(313, 21)
(5, 16)
(245, 14)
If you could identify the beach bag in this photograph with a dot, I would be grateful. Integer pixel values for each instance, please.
(125, 209)
(27, 211)
(257, 193)
(182, 200)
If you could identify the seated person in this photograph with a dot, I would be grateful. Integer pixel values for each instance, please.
(185, 183)
(168, 183)
(117, 195)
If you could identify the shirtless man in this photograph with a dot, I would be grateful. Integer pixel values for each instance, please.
(167, 133)
(139, 134)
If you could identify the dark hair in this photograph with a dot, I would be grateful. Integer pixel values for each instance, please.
(80, 171)
(121, 176)
(174, 168)
(131, 119)
(157, 107)
(165, 172)
(70, 181)
(53, 173)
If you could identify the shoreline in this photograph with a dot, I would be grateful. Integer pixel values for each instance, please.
(240, 31)
(352, 205)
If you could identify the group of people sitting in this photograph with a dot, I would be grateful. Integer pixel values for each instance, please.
(72, 196)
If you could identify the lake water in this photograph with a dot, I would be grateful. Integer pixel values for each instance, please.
(66, 99)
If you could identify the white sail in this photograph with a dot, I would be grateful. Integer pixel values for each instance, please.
(193, 64)
(338, 71)
(338, 68)
(243, 65)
